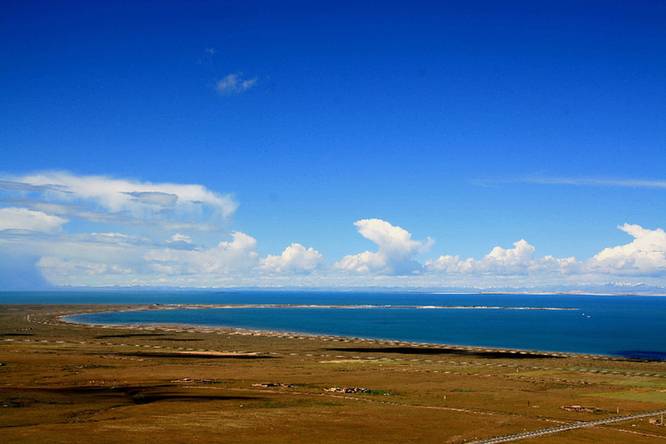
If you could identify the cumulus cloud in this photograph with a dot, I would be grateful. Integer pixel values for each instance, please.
(646, 254)
(13, 218)
(238, 254)
(520, 254)
(294, 259)
(234, 84)
(121, 195)
(103, 259)
(395, 253)
(88, 259)
(518, 260)
(126, 255)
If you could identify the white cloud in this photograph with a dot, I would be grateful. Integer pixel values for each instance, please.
(451, 264)
(509, 260)
(646, 254)
(581, 181)
(112, 238)
(55, 268)
(395, 253)
(106, 255)
(12, 218)
(294, 259)
(157, 198)
(141, 199)
(598, 182)
(500, 261)
(365, 262)
(181, 238)
(236, 255)
(115, 259)
(234, 84)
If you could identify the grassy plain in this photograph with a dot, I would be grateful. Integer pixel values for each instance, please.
(62, 383)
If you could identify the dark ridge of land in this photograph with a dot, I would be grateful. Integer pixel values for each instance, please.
(446, 351)
(136, 394)
(130, 335)
(149, 337)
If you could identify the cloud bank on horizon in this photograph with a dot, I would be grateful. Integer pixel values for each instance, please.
(105, 231)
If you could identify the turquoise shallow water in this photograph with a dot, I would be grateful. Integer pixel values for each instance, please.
(628, 326)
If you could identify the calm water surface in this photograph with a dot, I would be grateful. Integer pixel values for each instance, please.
(629, 326)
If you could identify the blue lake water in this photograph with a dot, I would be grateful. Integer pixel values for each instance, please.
(629, 326)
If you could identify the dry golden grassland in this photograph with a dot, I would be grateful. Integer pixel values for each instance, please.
(71, 383)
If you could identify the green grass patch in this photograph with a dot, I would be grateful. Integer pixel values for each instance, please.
(379, 392)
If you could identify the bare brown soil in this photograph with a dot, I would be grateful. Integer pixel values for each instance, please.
(62, 383)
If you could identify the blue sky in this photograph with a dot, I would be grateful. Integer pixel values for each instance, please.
(475, 124)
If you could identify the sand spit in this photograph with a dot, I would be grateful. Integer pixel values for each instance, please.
(356, 307)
